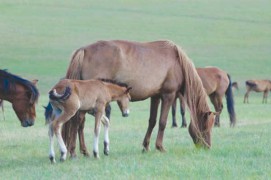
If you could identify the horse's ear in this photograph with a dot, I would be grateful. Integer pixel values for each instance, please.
(128, 90)
(35, 81)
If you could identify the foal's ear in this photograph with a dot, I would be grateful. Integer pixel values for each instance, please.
(35, 81)
(128, 90)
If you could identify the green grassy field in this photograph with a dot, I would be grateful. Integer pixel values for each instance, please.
(38, 38)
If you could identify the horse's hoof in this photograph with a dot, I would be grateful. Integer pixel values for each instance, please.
(86, 154)
(106, 152)
(145, 149)
(160, 148)
(96, 155)
(73, 156)
(174, 125)
(184, 125)
(52, 159)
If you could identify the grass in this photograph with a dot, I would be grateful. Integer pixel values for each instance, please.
(38, 38)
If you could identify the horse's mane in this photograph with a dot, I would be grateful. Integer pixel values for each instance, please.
(9, 80)
(113, 82)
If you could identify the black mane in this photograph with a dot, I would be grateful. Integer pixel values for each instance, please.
(9, 80)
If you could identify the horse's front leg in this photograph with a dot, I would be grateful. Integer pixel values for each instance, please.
(167, 100)
(105, 122)
(51, 139)
(97, 128)
(182, 109)
(152, 121)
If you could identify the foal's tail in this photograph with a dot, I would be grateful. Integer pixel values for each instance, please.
(230, 103)
(75, 67)
(53, 95)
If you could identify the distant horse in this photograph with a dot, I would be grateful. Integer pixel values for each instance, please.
(22, 94)
(158, 70)
(69, 96)
(258, 86)
(217, 83)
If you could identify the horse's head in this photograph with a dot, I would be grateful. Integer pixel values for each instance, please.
(201, 135)
(123, 102)
(25, 105)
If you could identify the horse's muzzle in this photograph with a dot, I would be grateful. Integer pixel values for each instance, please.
(125, 113)
(27, 123)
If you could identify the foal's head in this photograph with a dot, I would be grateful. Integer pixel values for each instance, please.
(123, 102)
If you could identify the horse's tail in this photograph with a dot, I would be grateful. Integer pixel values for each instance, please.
(53, 95)
(230, 103)
(194, 93)
(48, 113)
(75, 67)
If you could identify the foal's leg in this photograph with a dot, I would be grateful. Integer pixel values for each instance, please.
(83, 148)
(173, 112)
(105, 121)
(57, 126)
(167, 100)
(97, 128)
(152, 121)
(51, 138)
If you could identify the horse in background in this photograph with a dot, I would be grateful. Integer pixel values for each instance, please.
(158, 70)
(258, 86)
(69, 96)
(22, 94)
(217, 83)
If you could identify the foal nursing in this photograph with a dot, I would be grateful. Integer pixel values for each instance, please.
(69, 96)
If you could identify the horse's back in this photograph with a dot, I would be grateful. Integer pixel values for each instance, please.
(132, 63)
(258, 85)
(214, 79)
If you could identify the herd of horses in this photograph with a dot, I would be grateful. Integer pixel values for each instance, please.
(126, 71)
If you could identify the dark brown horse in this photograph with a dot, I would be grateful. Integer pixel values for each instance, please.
(22, 94)
(158, 70)
(258, 86)
(217, 83)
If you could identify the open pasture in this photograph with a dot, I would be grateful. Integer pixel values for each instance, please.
(38, 38)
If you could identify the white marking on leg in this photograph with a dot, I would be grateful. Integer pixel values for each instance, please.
(61, 143)
(106, 133)
(51, 140)
(96, 141)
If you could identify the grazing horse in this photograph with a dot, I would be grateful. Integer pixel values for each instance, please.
(158, 70)
(217, 83)
(69, 96)
(22, 94)
(258, 86)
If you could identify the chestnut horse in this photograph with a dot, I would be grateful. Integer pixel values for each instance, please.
(69, 96)
(258, 86)
(22, 94)
(217, 83)
(158, 70)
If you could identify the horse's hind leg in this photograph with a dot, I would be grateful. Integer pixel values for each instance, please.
(217, 102)
(152, 121)
(167, 100)
(57, 126)
(83, 148)
(173, 112)
(51, 138)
